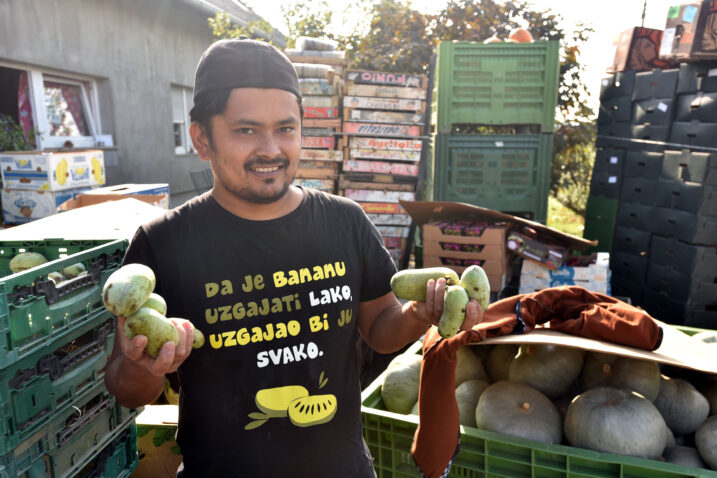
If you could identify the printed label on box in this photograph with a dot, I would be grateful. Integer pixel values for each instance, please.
(690, 13)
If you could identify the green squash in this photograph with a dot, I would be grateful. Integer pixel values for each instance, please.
(467, 395)
(710, 392)
(468, 366)
(683, 455)
(399, 390)
(681, 405)
(551, 369)
(518, 410)
(498, 361)
(609, 370)
(615, 420)
(706, 441)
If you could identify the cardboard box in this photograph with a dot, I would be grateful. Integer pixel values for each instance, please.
(83, 200)
(655, 84)
(159, 189)
(550, 255)
(690, 31)
(20, 206)
(52, 171)
(637, 49)
(159, 455)
(594, 277)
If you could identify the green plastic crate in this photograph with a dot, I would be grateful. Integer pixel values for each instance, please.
(600, 219)
(496, 84)
(117, 460)
(36, 388)
(34, 312)
(72, 440)
(507, 173)
(487, 454)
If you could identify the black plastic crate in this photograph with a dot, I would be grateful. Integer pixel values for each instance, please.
(634, 241)
(635, 215)
(681, 287)
(651, 132)
(615, 109)
(625, 287)
(655, 111)
(699, 76)
(639, 190)
(689, 197)
(609, 161)
(698, 262)
(699, 106)
(619, 84)
(664, 308)
(605, 184)
(690, 166)
(629, 266)
(685, 226)
(694, 134)
(643, 164)
(655, 84)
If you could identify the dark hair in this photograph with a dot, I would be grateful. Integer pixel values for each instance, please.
(214, 103)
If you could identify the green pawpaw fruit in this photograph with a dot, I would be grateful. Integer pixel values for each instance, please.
(312, 410)
(156, 327)
(26, 260)
(454, 311)
(156, 302)
(475, 281)
(275, 401)
(410, 284)
(55, 277)
(74, 270)
(127, 289)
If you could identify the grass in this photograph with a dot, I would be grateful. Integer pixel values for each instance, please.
(563, 219)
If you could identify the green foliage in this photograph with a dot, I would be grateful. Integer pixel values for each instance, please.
(573, 158)
(222, 27)
(306, 18)
(12, 136)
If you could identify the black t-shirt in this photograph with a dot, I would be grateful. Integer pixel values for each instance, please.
(275, 389)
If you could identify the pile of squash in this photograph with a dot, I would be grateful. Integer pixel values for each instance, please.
(563, 395)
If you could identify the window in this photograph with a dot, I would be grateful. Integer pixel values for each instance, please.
(54, 110)
(181, 104)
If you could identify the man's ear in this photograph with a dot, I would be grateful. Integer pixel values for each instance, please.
(200, 141)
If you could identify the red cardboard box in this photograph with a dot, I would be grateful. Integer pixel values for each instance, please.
(637, 49)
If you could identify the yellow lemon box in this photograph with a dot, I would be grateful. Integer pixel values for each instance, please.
(20, 205)
(52, 171)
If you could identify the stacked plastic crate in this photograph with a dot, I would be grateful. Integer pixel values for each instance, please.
(384, 118)
(58, 419)
(320, 68)
(494, 113)
(663, 190)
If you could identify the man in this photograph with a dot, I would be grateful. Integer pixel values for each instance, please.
(280, 279)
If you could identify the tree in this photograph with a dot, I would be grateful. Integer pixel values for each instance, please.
(309, 19)
(222, 27)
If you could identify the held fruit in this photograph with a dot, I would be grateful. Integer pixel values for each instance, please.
(127, 289)
(475, 281)
(410, 284)
(454, 311)
(198, 340)
(26, 260)
(154, 326)
(156, 302)
(74, 270)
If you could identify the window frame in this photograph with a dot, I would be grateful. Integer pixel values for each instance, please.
(187, 147)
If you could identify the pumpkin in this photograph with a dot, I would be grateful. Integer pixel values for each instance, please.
(520, 35)
(706, 441)
(670, 438)
(498, 361)
(399, 390)
(518, 410)
(615, 420)
(608, 370)
(681, 405)
(468, 366)
(467, 395)
(551, 369)
(710, 393)
(683, 455)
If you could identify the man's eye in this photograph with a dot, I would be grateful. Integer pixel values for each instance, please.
(245, 130)
(287, 129)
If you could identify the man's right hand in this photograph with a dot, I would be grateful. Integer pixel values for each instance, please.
(170, 355)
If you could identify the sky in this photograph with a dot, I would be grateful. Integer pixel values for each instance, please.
(607, 17)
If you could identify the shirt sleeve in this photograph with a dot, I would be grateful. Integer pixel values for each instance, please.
(378, 265)
(140, 252)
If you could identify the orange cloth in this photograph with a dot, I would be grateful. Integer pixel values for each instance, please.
(569, 309)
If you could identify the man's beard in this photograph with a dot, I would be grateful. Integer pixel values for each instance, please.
(255, 197)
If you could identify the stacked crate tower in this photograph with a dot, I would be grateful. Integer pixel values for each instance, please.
(494, 113)
(320, 68)
(58, 419)
(653, 194)
(384, 118)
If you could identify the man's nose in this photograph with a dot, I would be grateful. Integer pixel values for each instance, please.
(268, 146)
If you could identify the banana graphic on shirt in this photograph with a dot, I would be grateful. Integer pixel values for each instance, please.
(61, 172)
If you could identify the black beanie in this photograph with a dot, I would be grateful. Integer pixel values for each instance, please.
(244, 63)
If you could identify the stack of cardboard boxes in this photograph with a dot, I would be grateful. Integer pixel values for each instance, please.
(36, 183)
(384, 116)
(320, 68)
